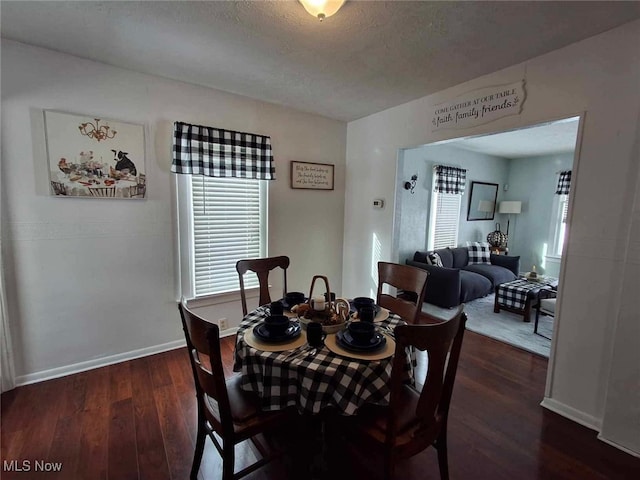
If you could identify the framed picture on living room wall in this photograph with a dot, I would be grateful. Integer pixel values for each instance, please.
(482, 201)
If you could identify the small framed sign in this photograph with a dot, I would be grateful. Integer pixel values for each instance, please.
(312, 176)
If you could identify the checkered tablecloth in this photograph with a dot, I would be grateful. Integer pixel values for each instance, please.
(514, 294)
(312, 383)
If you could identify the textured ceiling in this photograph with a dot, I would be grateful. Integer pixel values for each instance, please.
(547, 139)
(368, 57)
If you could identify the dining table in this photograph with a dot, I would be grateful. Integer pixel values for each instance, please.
(294, 374)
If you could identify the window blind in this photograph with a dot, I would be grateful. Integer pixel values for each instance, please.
(565, 209)
(447, 219)
(228, 225)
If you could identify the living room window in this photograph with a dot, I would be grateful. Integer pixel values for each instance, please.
(560, 212)
(558, 228)
(448, 188)
(222, 206)
(444, 220)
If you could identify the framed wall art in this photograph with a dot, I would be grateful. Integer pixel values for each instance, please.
(94, 157)
(482, 201)
(312, 176)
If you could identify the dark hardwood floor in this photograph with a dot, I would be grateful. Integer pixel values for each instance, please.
(136, 420)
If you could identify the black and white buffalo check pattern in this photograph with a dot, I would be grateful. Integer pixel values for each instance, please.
(564, 183)
(450, 179)
(479, 254)
(312, 383)
(434, 258)
(214, 152)
(514, 294)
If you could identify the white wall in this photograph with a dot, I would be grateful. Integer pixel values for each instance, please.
(90, 281)
(599, 76)
(533, 181)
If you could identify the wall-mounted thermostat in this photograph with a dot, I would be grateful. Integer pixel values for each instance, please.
(378, 203)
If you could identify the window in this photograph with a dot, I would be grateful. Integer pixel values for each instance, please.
(558, 230)
(444, 220)
(228, 225)
(222, 205)
(448, 187)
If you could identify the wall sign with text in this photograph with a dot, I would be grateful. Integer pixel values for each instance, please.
(479, 106)
(314, 176)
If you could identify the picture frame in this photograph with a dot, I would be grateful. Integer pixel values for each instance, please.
(90, 156)
(312, 176)
(482, 201)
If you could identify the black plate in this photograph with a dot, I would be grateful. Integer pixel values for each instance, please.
(292, 332)
(345, 340)
(286, 306)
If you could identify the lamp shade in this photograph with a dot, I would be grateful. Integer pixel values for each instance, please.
(322, 8)
(510, 207)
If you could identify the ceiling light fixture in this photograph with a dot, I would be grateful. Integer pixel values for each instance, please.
(322, 8)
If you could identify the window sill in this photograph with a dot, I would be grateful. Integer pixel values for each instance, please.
(552, 258)
(217, 299)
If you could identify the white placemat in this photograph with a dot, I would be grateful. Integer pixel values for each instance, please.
(388, 350)
(253, 341)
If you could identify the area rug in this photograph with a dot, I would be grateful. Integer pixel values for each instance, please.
(504, 326)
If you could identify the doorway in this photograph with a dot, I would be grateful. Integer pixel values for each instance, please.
(525, 164)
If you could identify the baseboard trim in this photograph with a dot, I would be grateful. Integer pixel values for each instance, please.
(571, 413)
(618, 446)
(105, 361)
(228, 332)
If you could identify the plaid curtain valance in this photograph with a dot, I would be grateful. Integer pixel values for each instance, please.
(214, 152)
(450, 179)
(564, 183)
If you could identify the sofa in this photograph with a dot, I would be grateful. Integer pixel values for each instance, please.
(457, 280)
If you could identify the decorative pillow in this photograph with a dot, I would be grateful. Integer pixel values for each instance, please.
(479, 253)
(420, 257)
(478, 244)
(433, 258)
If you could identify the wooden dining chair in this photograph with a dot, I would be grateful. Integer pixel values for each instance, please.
(262, 267)
(223, 407)
(414, 420)
(411, 284)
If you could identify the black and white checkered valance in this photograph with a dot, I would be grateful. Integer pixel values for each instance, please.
(215, 152)
(450, 179)
(564, 183)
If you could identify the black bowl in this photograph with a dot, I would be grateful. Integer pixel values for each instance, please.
(360, 302)
(276, 324)
(367, 314)
(294, 298)
(331, 297)
(361, 331)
